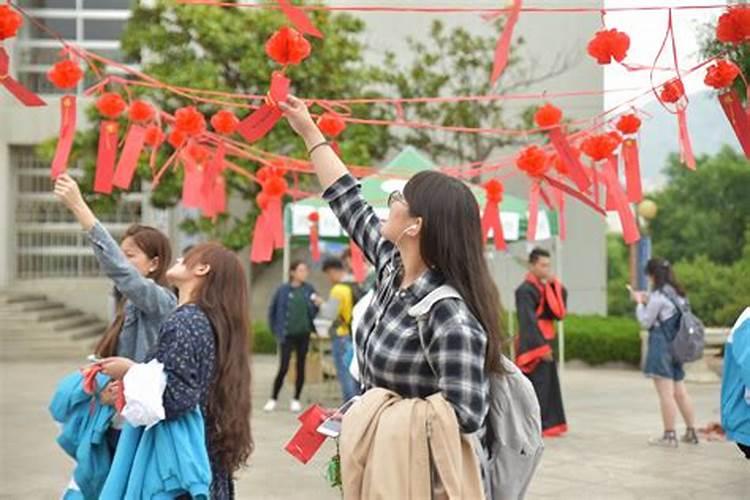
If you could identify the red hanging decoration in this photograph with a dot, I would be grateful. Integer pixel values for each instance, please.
(734, 25)
(672, 91)
(191, 184)
(314, 219)
(502, 49)
(65, 74)
(630, 231)
(67, 133)
(629, 125)
(600, 146)
(611, 166)
(549, 117)
(270, 221)
(562, 227)
(608, 45)
(131, 152)
(331, 124)
(141, 112)
(190, 121)
(255, 126)
(177, 138)
(287, 46)
(111, 105)
(722, 74)
(105, 160)
(224, 122)
(10, 22)
(23, 94)
(533, 160)
(533, 212)
(738, 117)
(154, 136)
(299, 19)
(491, 220)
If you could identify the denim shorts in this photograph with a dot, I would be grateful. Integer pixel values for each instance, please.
(659, 360)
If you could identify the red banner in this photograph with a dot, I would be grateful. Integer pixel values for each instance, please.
(632, 171)
(67, 134)
(131, 152)
(105, 159)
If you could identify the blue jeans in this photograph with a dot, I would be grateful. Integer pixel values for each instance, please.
(341, 347)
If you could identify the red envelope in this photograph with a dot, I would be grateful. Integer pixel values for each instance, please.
(307, 440)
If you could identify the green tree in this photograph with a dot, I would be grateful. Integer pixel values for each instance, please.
(222, 49)
(706, 212)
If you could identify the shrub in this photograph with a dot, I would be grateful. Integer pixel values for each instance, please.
(599, 339)
(263, 340)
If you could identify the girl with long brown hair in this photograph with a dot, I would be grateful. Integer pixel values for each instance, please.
(204, 347)
(137, 266)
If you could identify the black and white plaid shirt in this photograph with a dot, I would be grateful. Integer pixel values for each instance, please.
(389, 351)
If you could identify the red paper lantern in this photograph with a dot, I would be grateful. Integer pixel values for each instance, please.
(722, 74)
(287, 46)
(224, 122)
(140, 111)
(65, 74)
(600, 146)
(275, 186)
(177, 138)
(629, 124)
(313, 217)
(111, 104)
(494, 189)
(734, 25)
(548, 116)
(10, 22)
(607, 45)
(331, 124)
(189, 120)
(672, 91)
(533, 160)
(154, 136)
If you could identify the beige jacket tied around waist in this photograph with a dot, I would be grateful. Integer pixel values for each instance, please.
(386, 444)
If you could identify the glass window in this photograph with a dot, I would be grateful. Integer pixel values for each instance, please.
(48, 4)
(66, 28)
(107, 4)
(99, 29)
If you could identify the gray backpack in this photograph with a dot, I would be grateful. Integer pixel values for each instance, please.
(688, 343)
(514, 420)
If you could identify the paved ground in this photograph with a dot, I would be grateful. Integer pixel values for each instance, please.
(611, 414)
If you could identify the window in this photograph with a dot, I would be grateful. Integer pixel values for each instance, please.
(99, 29)
(107, 4)
(47, 4)
(65, 28)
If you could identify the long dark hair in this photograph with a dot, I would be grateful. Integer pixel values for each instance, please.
(222, 296)
(661, 272)
(451, 243)
(154, 244)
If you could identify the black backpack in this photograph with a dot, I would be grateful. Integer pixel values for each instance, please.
(689, 341)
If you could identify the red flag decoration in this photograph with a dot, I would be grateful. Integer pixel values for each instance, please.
(105, 159)
(299, 19)
(491, 220)
(67, 133)
(359, 270)
(23, 94)
(629, 126)
(314, 219)
(502, 49)
(673, 92)
(548, 117)
(131, 152)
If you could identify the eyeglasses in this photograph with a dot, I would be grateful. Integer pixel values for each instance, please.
(396, 196)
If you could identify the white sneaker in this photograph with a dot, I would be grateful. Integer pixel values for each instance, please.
(270, 405)
(295, 406)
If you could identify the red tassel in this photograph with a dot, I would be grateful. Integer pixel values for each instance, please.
(131, 152)
(630, 231)
(562, 228)
(738, 118)
(358, 262)
(533, 212)
(611, 165)
(299, 19)
(191, 185)
(503, 43)
(23, 94)
(632, 171)
(276, 221)
(105, 160)
(576, 172)
(314, 242)
(259, 123)
(67, 134)
(686, 149)
(262, 245)
(491, 221)
(213, 171)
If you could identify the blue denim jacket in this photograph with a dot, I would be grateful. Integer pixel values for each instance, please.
(147, 303)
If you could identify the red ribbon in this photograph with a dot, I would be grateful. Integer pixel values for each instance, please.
(686, 148)
(572, 192)
(503, 43)
(738, 118)
(261, 249)
(630, 231)
(611, 166)
(533, 212)
(299, 19)
(491, 221)
(632, 171)
(359, 269)
(562, 225)
(67, 134)
(23, 94)
(576, 172)
(131, 152)
(105, 159)
(191, 185)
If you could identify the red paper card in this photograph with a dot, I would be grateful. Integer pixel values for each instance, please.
(259, 123)
(105, 160)
(280, 85)
(67, 133)
(129, 157)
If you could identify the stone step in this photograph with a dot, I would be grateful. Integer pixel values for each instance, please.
(41, 315)
(8, 297)
(56, 325)
(72, 351)
(31, 305)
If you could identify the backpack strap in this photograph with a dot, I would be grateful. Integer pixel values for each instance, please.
(421, 311)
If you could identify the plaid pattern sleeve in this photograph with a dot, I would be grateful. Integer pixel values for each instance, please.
(457, 354)
(359, 220)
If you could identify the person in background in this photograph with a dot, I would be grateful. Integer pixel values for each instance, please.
(658, 313)
(290, 315)
(341, 338)
(540, 301)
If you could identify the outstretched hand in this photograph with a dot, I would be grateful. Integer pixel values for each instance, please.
(67, 191)
(296, 113)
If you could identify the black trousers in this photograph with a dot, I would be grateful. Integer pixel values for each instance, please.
(300, 344)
